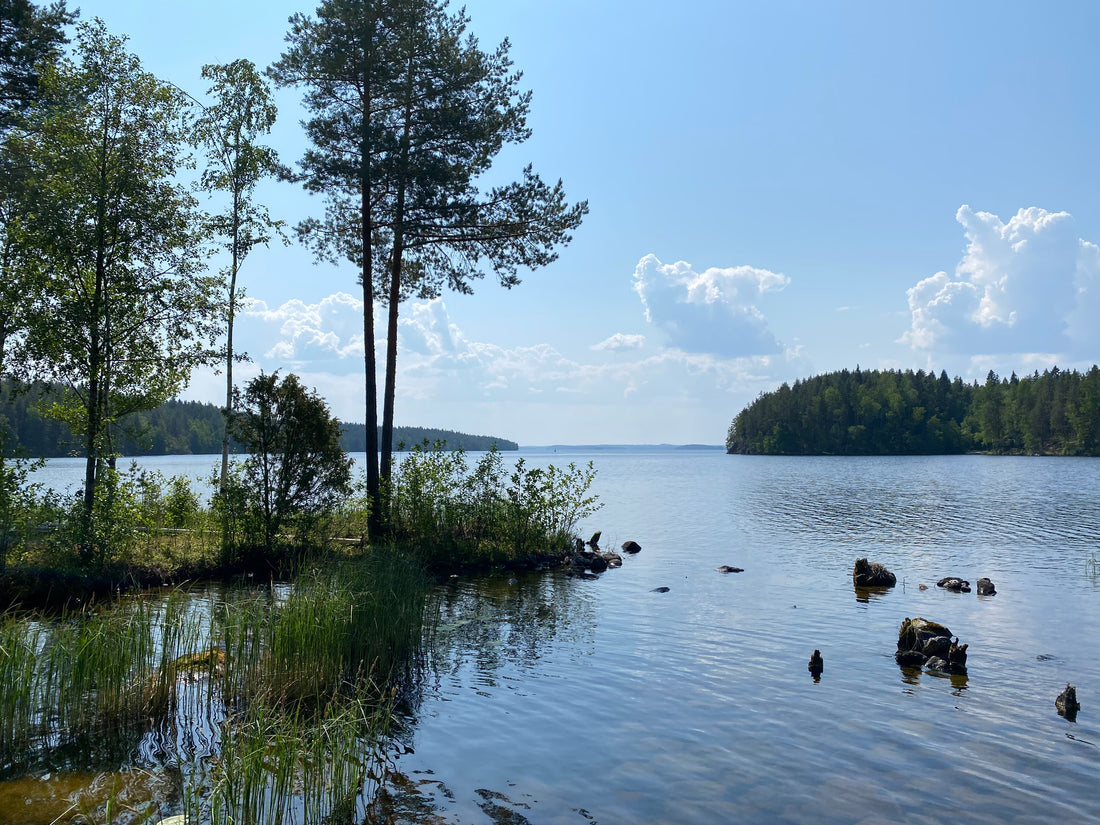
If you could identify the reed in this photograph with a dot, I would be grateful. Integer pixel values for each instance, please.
(291, 768)
(19, 643)
(289, 688)
(338, 630)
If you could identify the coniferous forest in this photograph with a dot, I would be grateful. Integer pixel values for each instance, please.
(173, 428)
(890, 412)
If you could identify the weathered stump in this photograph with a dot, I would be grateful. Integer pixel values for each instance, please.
(1066, 703)
(872, 574)
(817, 664)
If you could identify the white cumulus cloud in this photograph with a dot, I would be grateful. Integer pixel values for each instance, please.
(329, 330)
(624, 388)
(620, 341)
(714, 311)
(1028, 285)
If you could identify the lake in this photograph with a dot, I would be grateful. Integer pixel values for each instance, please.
(549, 699)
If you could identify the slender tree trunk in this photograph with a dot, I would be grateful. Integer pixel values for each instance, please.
(369, 355)
(229, 332)
(374, 488)
(391, 354)
(396, 255)
(95, 351)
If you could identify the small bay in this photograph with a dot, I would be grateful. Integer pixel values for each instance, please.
(549, 699)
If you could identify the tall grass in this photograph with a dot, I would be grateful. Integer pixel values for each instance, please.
(297, 683)
(339, 630)
(87, 679)
(294, 769)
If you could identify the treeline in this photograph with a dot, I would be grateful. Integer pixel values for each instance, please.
(173, 428)
(354, 439)
(890, 412)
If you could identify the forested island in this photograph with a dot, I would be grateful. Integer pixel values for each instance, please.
(174, 428)
(890, 412)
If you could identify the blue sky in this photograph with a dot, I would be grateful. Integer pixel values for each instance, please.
(776, 190)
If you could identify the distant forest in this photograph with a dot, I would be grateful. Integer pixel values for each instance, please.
(873, 412)
(174, 428)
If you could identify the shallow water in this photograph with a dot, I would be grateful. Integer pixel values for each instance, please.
(556, 700)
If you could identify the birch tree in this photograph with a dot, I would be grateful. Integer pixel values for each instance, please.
(126, 309)
(228, 129)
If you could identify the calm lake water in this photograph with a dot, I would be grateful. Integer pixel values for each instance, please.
(557, 700)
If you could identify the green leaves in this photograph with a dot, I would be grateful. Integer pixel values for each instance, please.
(123, 309)
(296, 465)
(241, 113)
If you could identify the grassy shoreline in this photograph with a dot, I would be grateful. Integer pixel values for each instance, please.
(152, 531)
(271, 700)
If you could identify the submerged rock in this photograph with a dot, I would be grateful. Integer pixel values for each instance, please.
(929, 644)
(872, 574)
(1067, 703)
(986, 588)
(631, 547)
(725, 568)
(937, 664)
(588, 556)
(582, 574)
(954, 584)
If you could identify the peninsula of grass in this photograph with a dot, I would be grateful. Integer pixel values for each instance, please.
(151, 531)
(271, 698)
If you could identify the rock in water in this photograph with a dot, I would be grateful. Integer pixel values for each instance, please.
(817, 664)
(1067, 703)
(872, 574)
(631, 547)
(954, 584)
(986, 588)
(925, 643)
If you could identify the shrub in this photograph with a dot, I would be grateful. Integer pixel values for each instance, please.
(488, 515)
(296, 468)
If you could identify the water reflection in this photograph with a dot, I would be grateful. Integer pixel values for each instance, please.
(693, 706)
(506, 623)
(554, 700)
(866, 594)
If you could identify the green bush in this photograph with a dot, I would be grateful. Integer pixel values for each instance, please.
(17, 506)
(487, 515)
(296, 471)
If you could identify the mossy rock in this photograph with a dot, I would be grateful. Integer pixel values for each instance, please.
(916, 633)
